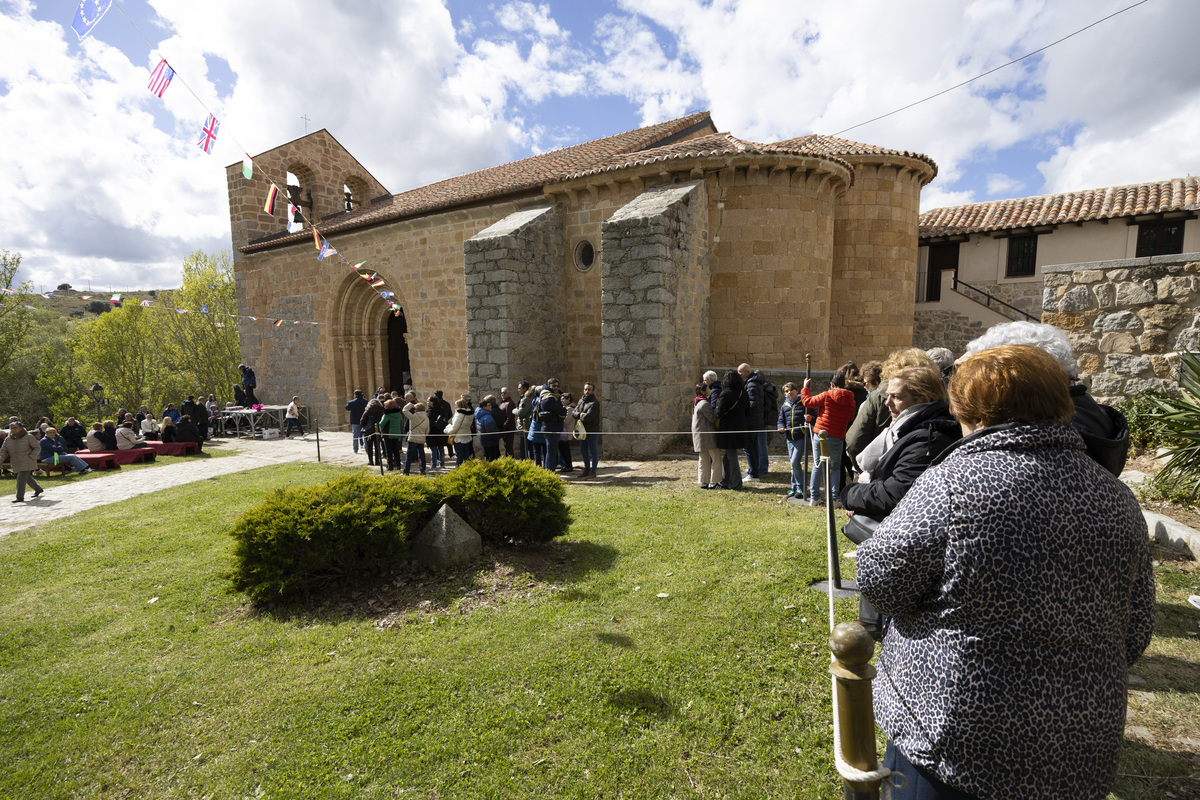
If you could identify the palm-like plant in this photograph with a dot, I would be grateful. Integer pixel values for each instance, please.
(1181, 418)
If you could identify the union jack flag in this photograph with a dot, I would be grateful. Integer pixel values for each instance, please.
(160, 79)
(208, 134)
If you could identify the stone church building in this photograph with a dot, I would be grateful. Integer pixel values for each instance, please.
(636, 261)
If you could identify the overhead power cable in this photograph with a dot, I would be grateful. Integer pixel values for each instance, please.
(990, 71)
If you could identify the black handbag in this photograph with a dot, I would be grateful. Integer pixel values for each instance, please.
(860, 528)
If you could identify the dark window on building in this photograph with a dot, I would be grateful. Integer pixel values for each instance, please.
(1160, 238)
(1022, 256)
(942, 256)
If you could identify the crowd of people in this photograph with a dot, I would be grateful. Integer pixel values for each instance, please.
(1000, 560)
(539, 423)
(45, 445)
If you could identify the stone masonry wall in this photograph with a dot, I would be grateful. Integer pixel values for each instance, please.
(771, 266)
(654, 283)
(516, 325)
(875, 239)
(1127, 319)
(943, 329)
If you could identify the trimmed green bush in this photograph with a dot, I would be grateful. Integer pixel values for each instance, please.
(507, 500)
(299, 540)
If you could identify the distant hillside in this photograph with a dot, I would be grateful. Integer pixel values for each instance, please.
(70, 304)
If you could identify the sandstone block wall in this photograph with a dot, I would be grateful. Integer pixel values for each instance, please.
(516, 321)
(655, 276)
(1127, 319)
(771, 284)
(875, 240)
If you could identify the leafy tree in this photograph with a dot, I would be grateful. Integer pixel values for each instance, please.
(118, 350)
(14, 309)
(202, 345)
(99, 307)
(64, 287)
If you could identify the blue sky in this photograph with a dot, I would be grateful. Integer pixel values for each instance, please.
(102, 182)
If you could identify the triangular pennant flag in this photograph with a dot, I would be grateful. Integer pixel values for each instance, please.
(203, 309)
(378, 283)
(269, 207)
(277, 323)
(359, 265)
(181, 310)
(85, 297)
(326, 250)
(247, 167)
(46, 295)
(254, 319)
(7, 290)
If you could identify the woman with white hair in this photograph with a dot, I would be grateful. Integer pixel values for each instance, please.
(1104, 429)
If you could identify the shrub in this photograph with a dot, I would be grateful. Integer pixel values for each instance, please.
(507, 500)
(300, 540)
(1146, 428)
(1181, 419)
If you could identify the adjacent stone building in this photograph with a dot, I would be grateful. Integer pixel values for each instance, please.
(636, 261)
(985, 263)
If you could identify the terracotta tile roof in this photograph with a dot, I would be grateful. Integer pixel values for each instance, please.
(1180, 194)
(833, 146)
(511, 178)
(714, 145)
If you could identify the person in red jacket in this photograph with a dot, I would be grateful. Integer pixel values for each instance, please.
(835, 413)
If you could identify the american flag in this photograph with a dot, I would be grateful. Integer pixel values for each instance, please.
(160, 79)
(208, 134)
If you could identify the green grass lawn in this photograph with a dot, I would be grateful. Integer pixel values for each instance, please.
(128, 670)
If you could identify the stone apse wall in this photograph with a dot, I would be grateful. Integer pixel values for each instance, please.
(1127, 319)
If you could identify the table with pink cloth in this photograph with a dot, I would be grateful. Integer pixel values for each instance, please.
(132, 456)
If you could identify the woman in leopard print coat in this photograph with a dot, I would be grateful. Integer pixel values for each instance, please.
(1018, 574)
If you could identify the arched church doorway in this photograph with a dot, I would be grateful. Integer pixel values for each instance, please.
(399, 369)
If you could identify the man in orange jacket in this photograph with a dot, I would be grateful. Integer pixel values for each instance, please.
(835, 413)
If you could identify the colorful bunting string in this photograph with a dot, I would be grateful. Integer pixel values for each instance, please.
(88, 14)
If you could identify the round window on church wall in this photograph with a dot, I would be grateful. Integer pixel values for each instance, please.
(585, 256)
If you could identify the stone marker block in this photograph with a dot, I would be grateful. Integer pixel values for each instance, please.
(1173, 534)
(446, 539)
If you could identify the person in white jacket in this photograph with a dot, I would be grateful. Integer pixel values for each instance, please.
(150, 427)
(418, 427)
(127, 439)
(460, 429)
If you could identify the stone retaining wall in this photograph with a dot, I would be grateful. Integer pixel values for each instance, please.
(1127, 319)
(944, 329)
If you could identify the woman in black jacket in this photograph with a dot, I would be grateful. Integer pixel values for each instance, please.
(731, 429)
(922, 427)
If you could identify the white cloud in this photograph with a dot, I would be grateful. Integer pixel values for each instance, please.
(107, 182)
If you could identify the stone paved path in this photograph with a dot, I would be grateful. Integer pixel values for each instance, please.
(72, 497)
